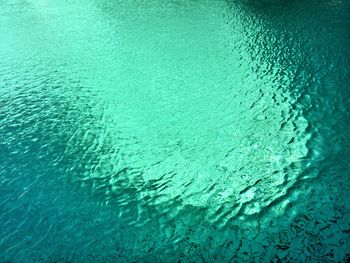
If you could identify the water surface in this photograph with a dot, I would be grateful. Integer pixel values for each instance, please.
(166, 131)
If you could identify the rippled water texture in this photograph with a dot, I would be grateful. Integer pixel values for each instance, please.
(174, 131)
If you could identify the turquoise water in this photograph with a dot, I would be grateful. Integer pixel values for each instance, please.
(174, 131)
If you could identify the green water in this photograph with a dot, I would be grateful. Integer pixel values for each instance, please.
(174, 131)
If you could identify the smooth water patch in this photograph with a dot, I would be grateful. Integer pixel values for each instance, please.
(148, 131)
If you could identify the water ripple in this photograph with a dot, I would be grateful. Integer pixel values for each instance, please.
(199, 131)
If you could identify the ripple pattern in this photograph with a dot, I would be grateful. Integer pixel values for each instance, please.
(173, 131)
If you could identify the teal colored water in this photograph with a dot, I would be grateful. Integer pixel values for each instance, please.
(174, 131)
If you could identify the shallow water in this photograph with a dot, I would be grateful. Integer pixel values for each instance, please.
(167, 131)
